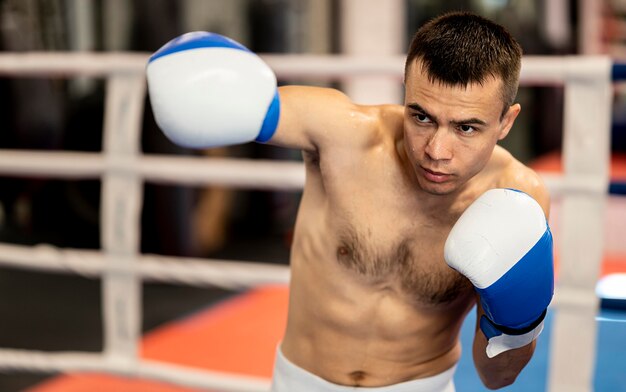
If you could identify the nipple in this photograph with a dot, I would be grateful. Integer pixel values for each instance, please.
(343, 251)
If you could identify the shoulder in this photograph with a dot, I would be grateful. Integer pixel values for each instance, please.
(514, 174)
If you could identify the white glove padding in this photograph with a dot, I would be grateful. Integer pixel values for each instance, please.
(503, 245)
(207, 90)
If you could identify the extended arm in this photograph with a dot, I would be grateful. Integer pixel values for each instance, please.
(207, 90)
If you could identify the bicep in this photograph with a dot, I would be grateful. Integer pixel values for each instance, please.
(308, 116)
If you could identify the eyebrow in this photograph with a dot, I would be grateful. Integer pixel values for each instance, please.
(470, 121)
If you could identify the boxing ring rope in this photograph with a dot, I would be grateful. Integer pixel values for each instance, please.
(123, 169)
(225, 274)
(242, 173)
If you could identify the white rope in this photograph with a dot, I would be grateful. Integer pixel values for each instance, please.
(559, 185)
(47, 362)
(66, 64)
(219, 273)
(228, 172)
(535, 69)
(227, 274)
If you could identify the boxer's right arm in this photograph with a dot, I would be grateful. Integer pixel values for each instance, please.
(313, 117)
(207, 90)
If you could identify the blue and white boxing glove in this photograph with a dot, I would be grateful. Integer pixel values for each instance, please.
(207, 90)
(503, 245)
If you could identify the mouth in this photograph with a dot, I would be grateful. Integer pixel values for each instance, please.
(435, 176)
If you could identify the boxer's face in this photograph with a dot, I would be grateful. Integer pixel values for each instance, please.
(450, 132)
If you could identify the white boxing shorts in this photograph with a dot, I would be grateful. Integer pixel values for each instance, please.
(290, 378)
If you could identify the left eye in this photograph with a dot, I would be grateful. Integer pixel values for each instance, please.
(466, 128)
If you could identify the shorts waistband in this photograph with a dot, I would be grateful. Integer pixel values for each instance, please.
(288, 377)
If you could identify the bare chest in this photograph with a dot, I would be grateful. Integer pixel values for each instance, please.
(374, 232)
(404, 259)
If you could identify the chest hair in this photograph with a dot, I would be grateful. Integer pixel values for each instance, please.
(416, 268)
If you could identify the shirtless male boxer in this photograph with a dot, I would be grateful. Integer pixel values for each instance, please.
(394, 197)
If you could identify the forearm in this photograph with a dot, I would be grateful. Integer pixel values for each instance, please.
(503, 369)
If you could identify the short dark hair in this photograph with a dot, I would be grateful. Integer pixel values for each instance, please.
(461, 48)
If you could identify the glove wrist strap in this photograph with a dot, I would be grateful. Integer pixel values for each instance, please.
(517, 331)
(501, 339)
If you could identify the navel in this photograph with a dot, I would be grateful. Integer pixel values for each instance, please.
(357, 377)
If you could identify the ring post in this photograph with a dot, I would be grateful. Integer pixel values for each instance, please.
(586, 157)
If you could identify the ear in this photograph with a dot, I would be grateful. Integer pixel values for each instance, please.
(508, 119)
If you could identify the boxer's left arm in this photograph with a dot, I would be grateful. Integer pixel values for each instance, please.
(504, 368)
(514, 286)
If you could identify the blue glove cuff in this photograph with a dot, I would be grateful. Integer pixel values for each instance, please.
(271, 120)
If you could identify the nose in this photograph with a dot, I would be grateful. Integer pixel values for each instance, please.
(438, 147)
